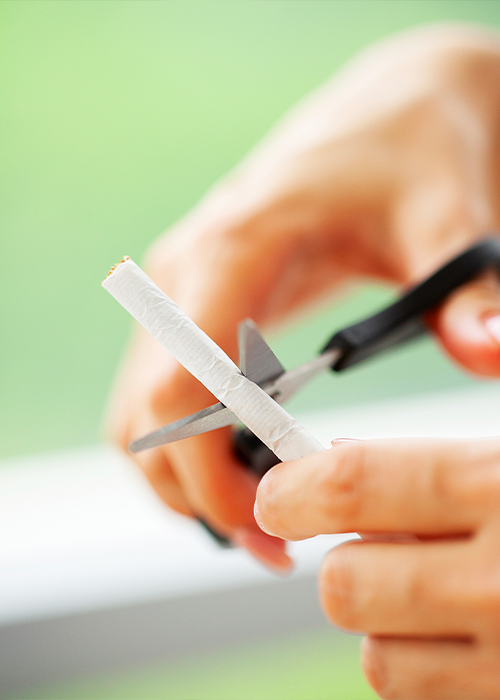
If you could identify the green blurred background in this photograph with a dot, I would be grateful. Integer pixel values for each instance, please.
(115, 117)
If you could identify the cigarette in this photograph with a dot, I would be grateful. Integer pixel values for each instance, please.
(206, 361)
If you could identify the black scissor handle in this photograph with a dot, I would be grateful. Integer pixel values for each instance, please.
(402, 320)
(397, 323)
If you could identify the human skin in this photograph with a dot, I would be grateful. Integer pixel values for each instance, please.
(384, 173)
(430, 602)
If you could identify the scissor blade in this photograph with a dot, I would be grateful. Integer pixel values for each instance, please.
(257, 361)
(286, 385)
(281, 388)
(211, 418)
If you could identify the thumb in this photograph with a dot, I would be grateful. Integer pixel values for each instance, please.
(468, 325)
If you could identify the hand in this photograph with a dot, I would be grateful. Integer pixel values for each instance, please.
(429, 603)
(386, 172)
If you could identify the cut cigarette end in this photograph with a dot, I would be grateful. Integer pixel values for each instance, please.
(206, 361)
(126, 257)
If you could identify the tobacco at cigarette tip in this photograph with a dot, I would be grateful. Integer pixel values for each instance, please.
(126, 257)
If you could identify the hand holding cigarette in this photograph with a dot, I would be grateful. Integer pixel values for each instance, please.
(178, 334)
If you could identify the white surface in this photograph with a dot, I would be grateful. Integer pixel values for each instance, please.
(198, 353)
(82, 530)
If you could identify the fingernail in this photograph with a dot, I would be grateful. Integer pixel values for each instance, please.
(334, 442)
(257, 516)
(268, 550)
(493, 327)
(259, 521)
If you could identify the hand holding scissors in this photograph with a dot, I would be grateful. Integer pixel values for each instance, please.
(384, 173)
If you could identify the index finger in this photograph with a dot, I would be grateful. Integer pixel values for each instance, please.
(428, 487)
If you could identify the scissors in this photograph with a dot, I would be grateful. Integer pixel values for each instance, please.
(394, 325)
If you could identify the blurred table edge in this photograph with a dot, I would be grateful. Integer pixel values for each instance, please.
(95, 574)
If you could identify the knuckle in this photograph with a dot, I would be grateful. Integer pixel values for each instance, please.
(418, 589)
(465, 474)
(338, 588)
(415, 587)
(442, 482)
(344, 486)
(474, 478)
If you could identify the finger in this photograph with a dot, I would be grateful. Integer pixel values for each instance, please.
(268, 550)
(468, 325)
(222, 491)
(162, 478)
(427, 669)
(130, 419)
(418, 486)
(214, 482)
(396, 589)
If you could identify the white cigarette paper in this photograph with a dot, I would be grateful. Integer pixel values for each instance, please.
(166, 322)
